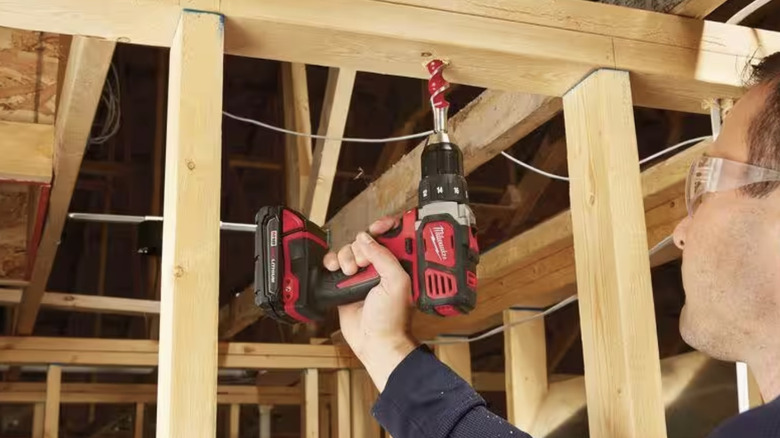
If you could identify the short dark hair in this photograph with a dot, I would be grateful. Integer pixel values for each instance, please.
(764, 130)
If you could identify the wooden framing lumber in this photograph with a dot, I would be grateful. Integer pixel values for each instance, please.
(190, 255)
(39, 411)
(82, 85)
(311, 404)
(341, 405)
(26, 149)
(333, 120)
(51, 419)
(233, 422)
(551, 157)
(486, 43)
(536, 268)
(456, 355)
(297, 149)
(363, 394)
(119, 393)
(240, 312)
(622, 373)
(525, 359)
(265, 420)
(138, 421)
(86, 303)
(79, 351)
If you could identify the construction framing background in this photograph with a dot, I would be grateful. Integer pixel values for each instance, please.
(591, 60)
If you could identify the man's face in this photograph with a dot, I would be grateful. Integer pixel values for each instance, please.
(731, 255)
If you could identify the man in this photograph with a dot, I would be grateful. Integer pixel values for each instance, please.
(731, 275)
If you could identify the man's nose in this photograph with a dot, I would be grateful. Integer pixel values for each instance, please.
(680, 232)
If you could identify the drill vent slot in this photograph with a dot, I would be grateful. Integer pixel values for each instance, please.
(440, 284)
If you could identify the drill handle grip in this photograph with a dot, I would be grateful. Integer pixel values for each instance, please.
(338, 289)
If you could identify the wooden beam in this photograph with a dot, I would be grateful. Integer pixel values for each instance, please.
(297, 149)
(696, 8)
(456, 355)
(311, 404)
(26, 149)
(138, 424)
(86, 303)
(341, 404)
(51, 422)
(362, 396)
(493, 122)
(551, 157)
(190, 257)
(39, 412)
(536, 268)
(333, 120)
(235, 417)
(80, 393)
(622, 372)
(525, 359)
(75, 351)
(240, 312)
(487, 42)
(265, 421)
(85, 73)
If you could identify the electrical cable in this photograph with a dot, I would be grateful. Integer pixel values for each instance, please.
(534, 169)
(641, 162)
(324, 137)
(748, 10)
(673, 148)
(111, 97)
(554, 308)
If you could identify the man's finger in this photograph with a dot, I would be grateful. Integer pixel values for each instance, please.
(382, 225)
(385, 263)
(331, 261)
(347, 261)
(360, 258)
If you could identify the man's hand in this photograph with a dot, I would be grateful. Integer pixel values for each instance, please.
(376, 329)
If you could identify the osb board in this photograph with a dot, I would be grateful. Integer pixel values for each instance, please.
(13, 231)
(28, 75)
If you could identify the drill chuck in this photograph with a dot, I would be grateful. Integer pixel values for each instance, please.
(442, 172)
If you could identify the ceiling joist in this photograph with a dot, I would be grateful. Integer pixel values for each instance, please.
(676, 62)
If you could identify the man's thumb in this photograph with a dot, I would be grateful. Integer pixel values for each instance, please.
(385, 263)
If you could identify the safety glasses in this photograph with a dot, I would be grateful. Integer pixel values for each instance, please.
(710, 174)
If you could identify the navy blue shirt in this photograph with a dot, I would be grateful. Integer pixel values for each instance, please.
(424, 398)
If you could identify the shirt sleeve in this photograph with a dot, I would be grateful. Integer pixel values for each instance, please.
(424, 398)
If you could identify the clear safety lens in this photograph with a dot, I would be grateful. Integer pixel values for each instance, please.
(710, 174)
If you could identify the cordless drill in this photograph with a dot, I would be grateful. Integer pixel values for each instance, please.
(435, 243)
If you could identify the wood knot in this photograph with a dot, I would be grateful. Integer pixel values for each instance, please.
(69, 298)
(178, 271)
(190, 164)
(591, 198)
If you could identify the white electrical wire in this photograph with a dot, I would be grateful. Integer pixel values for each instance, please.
(534, 169)
(111, 97)
(554, 308)
(673, 148)
(324, 137)
(641, 162)
(745, 12)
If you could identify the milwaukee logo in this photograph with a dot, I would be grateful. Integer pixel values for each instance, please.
(437, 238)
